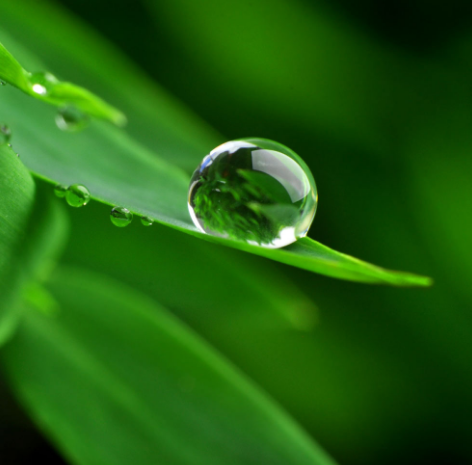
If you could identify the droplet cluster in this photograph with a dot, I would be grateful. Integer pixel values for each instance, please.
(76, 195)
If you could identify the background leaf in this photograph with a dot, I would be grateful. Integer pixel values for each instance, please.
(17, 192)
(143, 391)
(33, 234)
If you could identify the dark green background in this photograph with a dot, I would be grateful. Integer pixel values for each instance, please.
(385, 377)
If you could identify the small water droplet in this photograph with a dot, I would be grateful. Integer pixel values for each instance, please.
(121, 216)
(5, 134)
(253, 190)
(42, 83)
(2, 83)
(146, 221)
(71, 119)
(77, 195)
(60, 190)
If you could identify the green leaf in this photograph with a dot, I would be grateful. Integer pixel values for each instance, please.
(32, 235)
(55, 92)
(119, 171)
(17, 191)
(313, 256)
(142, 384)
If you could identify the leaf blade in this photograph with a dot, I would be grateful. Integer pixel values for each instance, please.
(17, 191)
(38, 229)
(135, 374)
(127, 174)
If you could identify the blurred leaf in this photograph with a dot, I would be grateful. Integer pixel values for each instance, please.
(298, 62)
(39, 240)
(17, 191)
(47, 88)
(147, 388)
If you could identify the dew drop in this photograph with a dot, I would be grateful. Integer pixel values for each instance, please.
(121, 216)
(5, 134)
(146, 221)
(60, 190)
(42, 83)
(71, 119)
(77, 195)
(2, 83)
(253, 190)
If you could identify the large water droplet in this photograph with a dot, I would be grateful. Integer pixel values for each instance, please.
(146, 221)
(77, 195)
(42, 83)
(60, 190)
(71, 119)
(254, 190)
(5, 134)
(121, 216)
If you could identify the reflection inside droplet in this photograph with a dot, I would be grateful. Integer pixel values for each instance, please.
(39, 89)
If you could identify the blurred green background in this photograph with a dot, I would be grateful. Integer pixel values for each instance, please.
(377, 99)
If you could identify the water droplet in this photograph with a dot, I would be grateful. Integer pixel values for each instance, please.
(77, 195)
(121, 216)
(60, 190)
(146, 221)
(71, 119)
(5, 134)
(254, 190)
(42, 83)
(2, 83)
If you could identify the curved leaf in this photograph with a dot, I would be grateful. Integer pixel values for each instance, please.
(32, 233)
(118, 171)
(17, 191)
(156, 386)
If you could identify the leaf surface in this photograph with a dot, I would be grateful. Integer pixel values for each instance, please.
(120, 171)
(147, 388)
